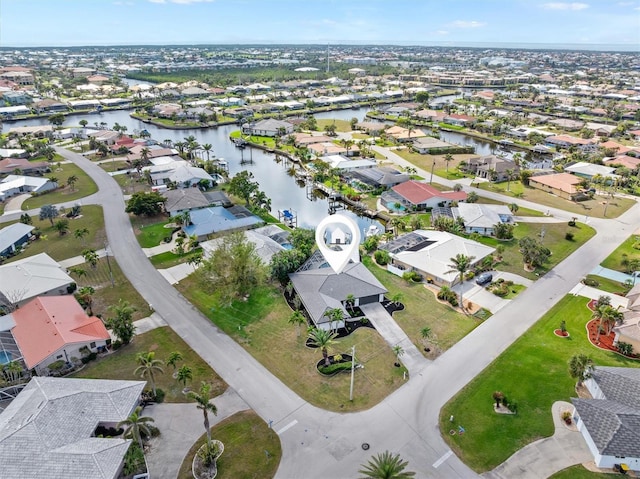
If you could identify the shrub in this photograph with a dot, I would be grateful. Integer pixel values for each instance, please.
(382, 257)
(56, 365)
(71, 288)
(569, 236)
(446, 294)
(335, 367)
(159, 395)
(625, 348)
(412, 276)
(591, 282)
(566, 416)
(209, 453)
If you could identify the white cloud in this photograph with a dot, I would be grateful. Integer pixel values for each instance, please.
(574, 6)
(466, 24)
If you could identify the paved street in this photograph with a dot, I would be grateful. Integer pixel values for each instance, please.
(405, 421)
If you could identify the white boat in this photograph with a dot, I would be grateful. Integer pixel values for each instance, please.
(372, 231)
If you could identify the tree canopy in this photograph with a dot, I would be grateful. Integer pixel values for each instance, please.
(145, 203)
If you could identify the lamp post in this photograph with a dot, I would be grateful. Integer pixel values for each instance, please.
(432, 167)
(353, 367)
(106, 252)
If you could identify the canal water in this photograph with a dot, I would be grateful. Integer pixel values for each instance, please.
(284, 191)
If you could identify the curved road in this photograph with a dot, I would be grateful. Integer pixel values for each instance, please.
(322, 444)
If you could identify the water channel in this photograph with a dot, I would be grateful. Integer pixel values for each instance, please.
(284, 191)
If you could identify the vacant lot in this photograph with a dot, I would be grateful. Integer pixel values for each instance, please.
(121, 363)
(84, 186)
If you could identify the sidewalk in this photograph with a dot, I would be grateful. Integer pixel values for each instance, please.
(594, 293)
(615, 275)
(76, 260)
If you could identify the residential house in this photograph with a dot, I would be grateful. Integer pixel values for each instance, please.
(179, 173)
(265, 247)
(564, 185)
(97, 79)
(481, 218)
(269, 127)
(567, 124)
(21, 78)
(343, 164)
(24, 166)
(629, 330)
(26, 278)
(305, 139)
(328, 149)
(82, 72)
(17, 184)
(600, 129)
(372, 128)
(630, 162)
(433, 146)
(429, 253)
(404, 135)
(459, 120)
(54, 328)
(568, 141)
(49, 105)
(490, 167)
(609, 422)
(320, 289)
(16, 97)
(108, 137)
(416, 195)
(184, 199)
(49, 430)
(13, 111)
(13, 237)
(589, 170)
(39, 131)
(379, 177)
(216, 219)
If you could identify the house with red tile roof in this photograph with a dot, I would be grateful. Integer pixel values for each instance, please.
(414, 194)
(53, 328)
(627, 161)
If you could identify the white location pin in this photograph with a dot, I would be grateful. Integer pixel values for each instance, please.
(338, 239)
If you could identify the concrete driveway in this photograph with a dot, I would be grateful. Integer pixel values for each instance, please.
(479, 295)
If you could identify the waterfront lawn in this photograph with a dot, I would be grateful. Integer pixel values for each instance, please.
(423, 309)
(614, 260)
(83, 187)
(267, 141)
(554, 239)
(67, 246)
(261, 326)
(149, 231)
(342, 126)
(121, 363)
(251, 448)
(106, 295)
(608, 285)
(426, 162)
(533, 374)
(594, 207)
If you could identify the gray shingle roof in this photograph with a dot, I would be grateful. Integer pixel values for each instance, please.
(46, 432)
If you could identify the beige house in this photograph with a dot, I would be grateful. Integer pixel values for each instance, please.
(564, 185)
(629, 330)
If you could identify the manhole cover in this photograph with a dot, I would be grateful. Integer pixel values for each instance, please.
(365, 445)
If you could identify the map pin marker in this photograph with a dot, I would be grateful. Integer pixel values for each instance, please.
(338, 239)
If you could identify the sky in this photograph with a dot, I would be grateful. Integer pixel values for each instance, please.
(412, 22)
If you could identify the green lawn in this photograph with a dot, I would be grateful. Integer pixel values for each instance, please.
(608, 285)
(251, 449)
(83, 187)
(554, 239)
(169, 259)
(151, 234)
(594, 207)
(614, 260)
(67, 246)
(115, 165)
(423, 309)
(343, 126)
(261, 322)
(579, 472)
(131, 183)
(121, 363)
(532, 373)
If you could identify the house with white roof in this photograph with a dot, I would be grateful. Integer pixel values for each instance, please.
(481, 218)
(429, 253)
(167, 170)
(589, 170)
(269, 127)
(26, 278)
(17, 184)
(49, 430)
(343, 163)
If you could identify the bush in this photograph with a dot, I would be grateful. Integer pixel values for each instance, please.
(88, 358)
(569, 236)
(382, 257)
(625, 348)
(209, 453)
(56, 365)
(335, 367)
(591, 282)
(71, 288)
(446, 294)
(159, 395)
(412, 276)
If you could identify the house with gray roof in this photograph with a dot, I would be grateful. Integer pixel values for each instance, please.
(49, 430)
(610, 422)
(321, 289)
(270, 127)
(14, 236)
(184, 199)
(216, 219)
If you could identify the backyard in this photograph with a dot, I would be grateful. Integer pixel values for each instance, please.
(84, 186)
(533, 373)
(251, 449)
(121, 363)
(261, 323)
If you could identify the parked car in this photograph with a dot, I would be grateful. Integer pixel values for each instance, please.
(484, 278)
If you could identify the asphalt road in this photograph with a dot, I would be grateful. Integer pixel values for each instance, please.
(322, 444)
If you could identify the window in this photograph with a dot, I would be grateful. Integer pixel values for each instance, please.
(92, 345)
(59, 356)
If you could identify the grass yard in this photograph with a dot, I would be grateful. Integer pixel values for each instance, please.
(115, 165)
(247, 439)
(106, 295)
(554, 239)
(614, 260)
(533, 373)
(342, 126)
(131, 184)
(594, 207)
(149, 231)
(608, 285)
(169, 258)
(261, 323)
(426, 162)
(67, 246)
(84, 186)
(121, 363)
(578, 472)
(423, 309)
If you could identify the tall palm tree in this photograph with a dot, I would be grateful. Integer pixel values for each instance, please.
(185, 373)
(148, 367)
(386, 466)
(173, 359)
(207, 149)
(322, 338)
(334, 315)
(448, 158)
(461, 264)
(202, 397)
(136, 426)
(511, 174)
(580, 367)
(298, 319)
(80, 234)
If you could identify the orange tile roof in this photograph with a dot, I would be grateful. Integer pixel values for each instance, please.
(48, 323)
(561, 181)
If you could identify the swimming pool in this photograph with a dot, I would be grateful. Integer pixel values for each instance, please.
(5, 357)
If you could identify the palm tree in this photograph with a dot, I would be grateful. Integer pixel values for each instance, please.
(398, 351)
(136, 426)
(386, 466)
(203, 402)
(298, 319)
(322, 338)
(511, 174)
(71, 181)
(149, 366)
(426, 333)
(397, 299)
(580, 367)
(173, 359)
(350, 301)
(513, 207)
(447, 159)
(207, 149)
(334, 315)
(461, 264)
(80, 234)
(185, 373)
(90, 256)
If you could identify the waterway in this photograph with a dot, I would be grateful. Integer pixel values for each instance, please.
(284, 191)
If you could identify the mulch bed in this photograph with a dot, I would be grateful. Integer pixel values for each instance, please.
(603, 341)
